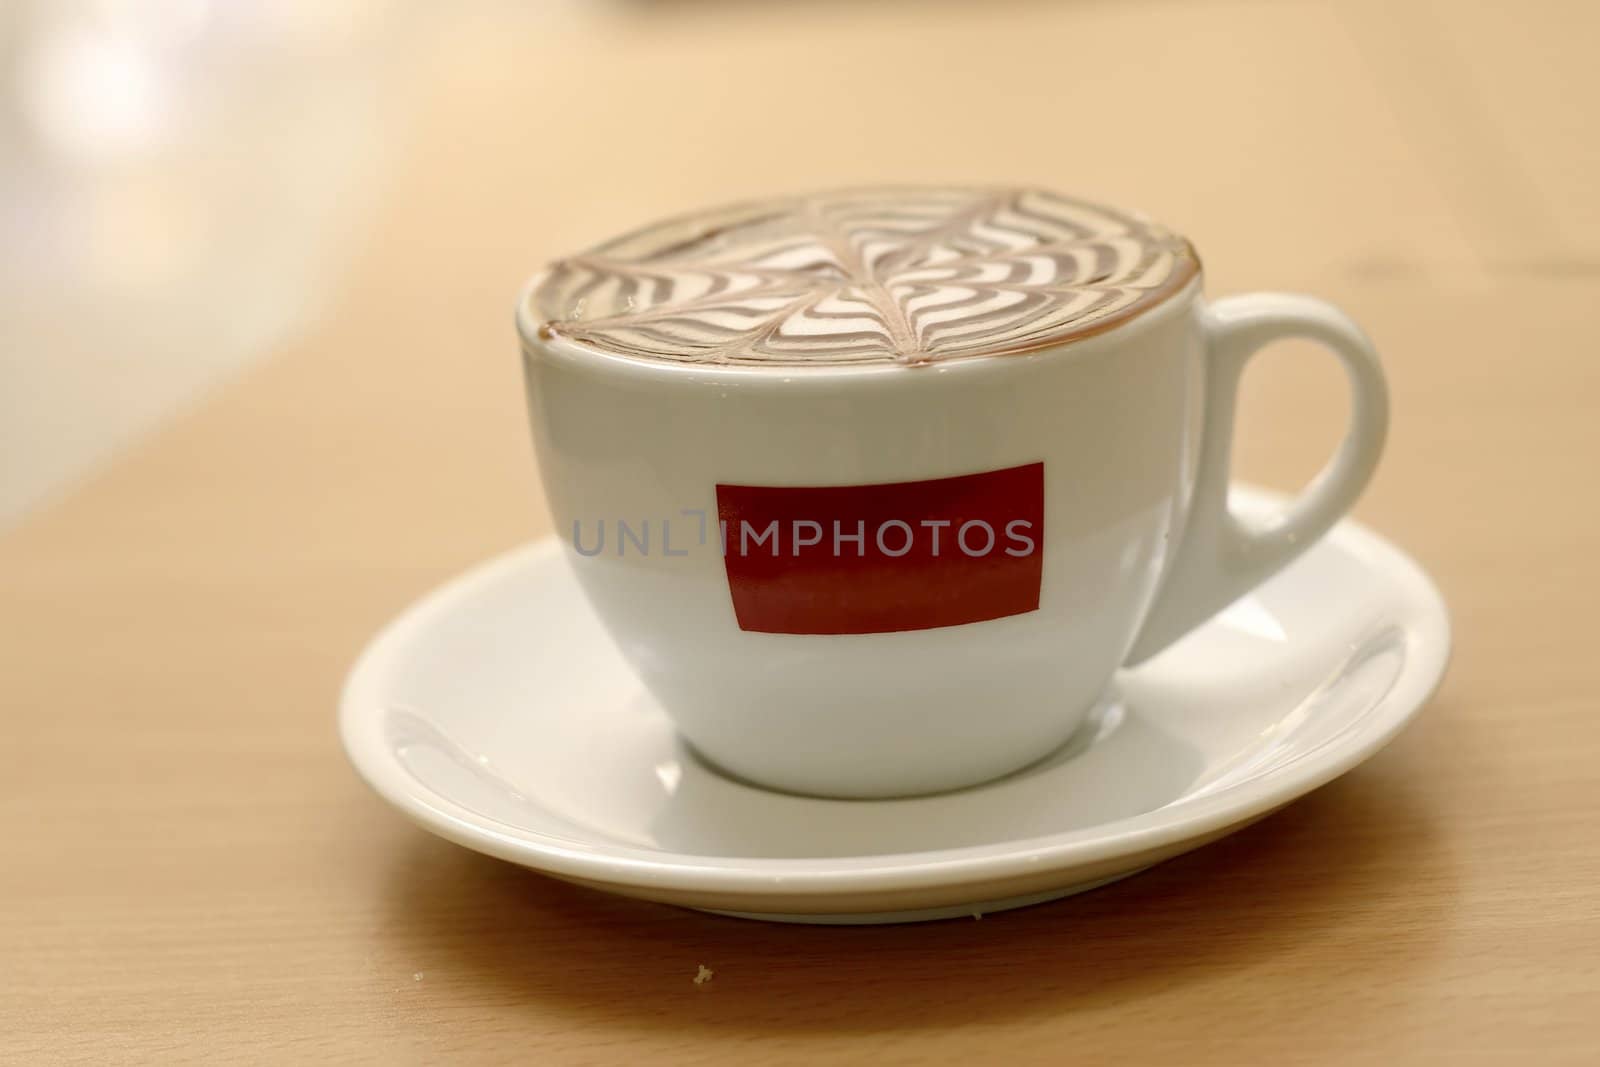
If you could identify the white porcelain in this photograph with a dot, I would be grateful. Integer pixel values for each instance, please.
(497, 714)
(1135, 476)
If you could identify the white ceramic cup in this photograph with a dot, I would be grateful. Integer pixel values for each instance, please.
(1132, 427)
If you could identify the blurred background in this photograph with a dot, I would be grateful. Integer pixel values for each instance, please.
(190, 186)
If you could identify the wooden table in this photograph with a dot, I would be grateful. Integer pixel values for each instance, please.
(191, 873)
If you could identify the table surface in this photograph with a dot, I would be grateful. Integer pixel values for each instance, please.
(192, 872)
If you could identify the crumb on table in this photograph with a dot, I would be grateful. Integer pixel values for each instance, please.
(703, 974)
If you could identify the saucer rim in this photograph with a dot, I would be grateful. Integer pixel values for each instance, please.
(1425, 623)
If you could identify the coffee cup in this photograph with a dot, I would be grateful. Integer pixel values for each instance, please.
(878, 490)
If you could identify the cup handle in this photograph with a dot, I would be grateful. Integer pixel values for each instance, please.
(1221, 557)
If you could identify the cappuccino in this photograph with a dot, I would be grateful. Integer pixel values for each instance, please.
(865, 276)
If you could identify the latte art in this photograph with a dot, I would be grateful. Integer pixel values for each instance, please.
(865, 276)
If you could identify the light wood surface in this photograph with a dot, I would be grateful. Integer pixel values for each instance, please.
(191, 873)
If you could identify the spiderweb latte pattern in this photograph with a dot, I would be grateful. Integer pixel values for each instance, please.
(865, 276)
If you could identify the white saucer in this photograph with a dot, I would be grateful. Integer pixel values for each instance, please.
(496, 713)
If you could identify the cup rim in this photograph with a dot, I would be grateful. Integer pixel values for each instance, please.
(535, 343)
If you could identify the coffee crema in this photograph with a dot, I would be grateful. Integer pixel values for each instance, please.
(862, 276)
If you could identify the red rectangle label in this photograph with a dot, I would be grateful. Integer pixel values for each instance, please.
(863, 559)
